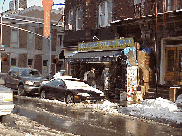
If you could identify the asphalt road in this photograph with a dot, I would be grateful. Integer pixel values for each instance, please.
(34, 116)
(71, 119)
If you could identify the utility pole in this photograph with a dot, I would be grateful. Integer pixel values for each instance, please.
(47, 6)
(1, 32)
(1, 37)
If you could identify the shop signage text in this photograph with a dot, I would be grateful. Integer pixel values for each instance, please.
(108, 44)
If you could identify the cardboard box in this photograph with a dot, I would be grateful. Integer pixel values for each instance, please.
(143, 59)
(143, 90)
(139, 96)
(146, 75)
(146, 86)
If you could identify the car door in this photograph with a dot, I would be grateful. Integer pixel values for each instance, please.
(14, 80)
(55, 89)
(58, 89)
(61, 89)
(48, 89)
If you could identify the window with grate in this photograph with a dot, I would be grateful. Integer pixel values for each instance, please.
(70, 19)
(105, 13)
(79, 21)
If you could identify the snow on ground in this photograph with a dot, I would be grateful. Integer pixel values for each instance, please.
(158, 108)
(26, 127)
(151, 109)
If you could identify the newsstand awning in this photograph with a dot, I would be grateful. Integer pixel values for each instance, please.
(95, 56)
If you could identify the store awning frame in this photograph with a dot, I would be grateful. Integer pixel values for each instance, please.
(95, 56)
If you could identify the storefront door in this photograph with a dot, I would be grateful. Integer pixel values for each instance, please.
(173, 65)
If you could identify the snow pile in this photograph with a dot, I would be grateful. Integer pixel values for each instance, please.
(156, 108)
(179, 99)
(109, 106)
(158, 104)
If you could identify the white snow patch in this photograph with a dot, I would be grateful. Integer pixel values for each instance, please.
(179, 99)
(157, 108)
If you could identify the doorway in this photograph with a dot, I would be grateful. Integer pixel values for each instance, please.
(173, 66)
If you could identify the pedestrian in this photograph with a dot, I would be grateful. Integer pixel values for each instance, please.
(91, 78)
(85, 77)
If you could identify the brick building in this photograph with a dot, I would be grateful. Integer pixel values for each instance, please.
(26, 45)
(153, 24)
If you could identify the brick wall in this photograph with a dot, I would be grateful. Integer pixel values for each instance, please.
(23, 37)
(38, 39)
(5, 65)
(54, 39)
(6, 36)
(22, 60)
(38, 63)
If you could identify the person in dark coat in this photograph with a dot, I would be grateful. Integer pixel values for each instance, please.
(91, 78)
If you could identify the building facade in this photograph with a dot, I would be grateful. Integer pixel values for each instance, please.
(153, 25)
(26, 45)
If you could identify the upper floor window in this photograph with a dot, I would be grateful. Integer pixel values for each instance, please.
(105, 13)
(14, 38)
(79, 21)
(70, 20)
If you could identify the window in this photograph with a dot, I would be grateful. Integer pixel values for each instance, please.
(13, 62)
(60, 39)
(70, 20)
(58, 82)
(79, 21)
(30, 61)
(105, 13)
(45, 62)
(14, 38)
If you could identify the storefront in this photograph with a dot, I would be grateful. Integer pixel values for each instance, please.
(108, 58)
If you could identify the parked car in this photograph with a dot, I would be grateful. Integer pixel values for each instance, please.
(6, 101)
(26, 80)
(69, 88)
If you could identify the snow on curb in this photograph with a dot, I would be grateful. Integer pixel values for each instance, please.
(157, 108)
(151, 109)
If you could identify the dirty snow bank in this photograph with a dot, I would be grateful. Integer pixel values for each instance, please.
(156, 108)
(26, 127)
(179, 99)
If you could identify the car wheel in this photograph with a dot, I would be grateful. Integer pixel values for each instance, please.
(42, 94)
(21, 90)
(70, 98)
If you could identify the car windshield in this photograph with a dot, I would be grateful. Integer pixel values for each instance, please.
(29, 72)
(62, 72)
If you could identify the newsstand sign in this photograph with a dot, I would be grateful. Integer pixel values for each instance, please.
(107, 44)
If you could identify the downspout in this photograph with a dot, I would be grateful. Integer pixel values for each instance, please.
(156, 45)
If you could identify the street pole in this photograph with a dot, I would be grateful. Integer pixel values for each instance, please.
(1, 37)
(47, 6)
(50, 53)
(1, 32)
